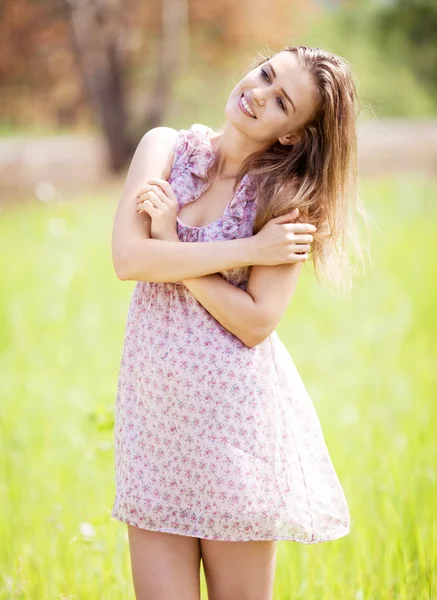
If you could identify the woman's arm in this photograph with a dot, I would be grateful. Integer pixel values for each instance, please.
(135, 255)
(163, 261)
(253, 314)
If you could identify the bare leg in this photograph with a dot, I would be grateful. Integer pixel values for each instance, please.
(239, 570)
(165, 566)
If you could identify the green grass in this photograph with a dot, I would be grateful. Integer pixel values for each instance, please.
(369, 364)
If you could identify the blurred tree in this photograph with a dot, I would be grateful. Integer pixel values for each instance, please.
(408, 29)
(84, 53)
(114, 63)
(97, 36)
(98, 33)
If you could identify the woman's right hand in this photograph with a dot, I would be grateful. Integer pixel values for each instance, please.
(281, 241)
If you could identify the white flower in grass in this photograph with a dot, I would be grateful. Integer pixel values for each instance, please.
(87, 530)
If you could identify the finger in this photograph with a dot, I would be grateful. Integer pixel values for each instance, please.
(141, 195)
(306, 238)
(153, 198)
(144, 194)
(303, 227)
(141, 199)
(160, 194)
(301, 238)
(145, 204)
(164, 185)
(289, 216)
(148, 188)
(299, 257)
(148, 208)
(302, 248)
(143, 190)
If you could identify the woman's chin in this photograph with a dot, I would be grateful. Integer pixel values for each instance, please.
(237, 119)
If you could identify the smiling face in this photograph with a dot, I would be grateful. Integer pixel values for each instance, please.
(280, 94)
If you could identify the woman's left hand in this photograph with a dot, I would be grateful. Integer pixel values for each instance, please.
(159, 202)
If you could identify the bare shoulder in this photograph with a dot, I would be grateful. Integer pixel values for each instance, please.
(160, 134)
(159, 142)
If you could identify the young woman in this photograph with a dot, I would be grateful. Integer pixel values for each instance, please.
(218, 448)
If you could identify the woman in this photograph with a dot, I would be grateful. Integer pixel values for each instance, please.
(218, 448)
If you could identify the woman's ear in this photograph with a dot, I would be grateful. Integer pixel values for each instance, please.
(290, 139)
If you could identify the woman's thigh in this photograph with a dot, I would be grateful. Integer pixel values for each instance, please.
(165, 566)
(243, 570)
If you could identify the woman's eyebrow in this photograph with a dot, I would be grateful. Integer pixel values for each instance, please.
(282, 89)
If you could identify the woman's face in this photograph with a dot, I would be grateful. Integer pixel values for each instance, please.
(282, 96)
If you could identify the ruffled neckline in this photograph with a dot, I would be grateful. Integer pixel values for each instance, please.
(200, 159)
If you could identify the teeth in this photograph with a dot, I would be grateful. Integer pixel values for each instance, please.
(246, 106)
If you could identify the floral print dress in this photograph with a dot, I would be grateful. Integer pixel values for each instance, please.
(214, 439)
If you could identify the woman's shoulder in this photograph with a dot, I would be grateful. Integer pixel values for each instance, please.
(195, 135)
(182, 146)
(160, 134)
(158, 142)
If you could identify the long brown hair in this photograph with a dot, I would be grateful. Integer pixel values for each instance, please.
(318, 174)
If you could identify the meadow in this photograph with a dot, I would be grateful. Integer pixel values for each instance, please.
(369, 364)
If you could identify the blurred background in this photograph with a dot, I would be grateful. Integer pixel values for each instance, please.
(81, 81)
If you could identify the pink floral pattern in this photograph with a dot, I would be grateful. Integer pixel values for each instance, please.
(213, 439)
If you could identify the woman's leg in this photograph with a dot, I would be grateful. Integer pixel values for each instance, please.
(165, 566)
(239, 570)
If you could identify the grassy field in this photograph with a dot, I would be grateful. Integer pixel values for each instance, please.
(369, 364)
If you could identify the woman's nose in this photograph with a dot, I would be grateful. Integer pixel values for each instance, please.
(258, 96)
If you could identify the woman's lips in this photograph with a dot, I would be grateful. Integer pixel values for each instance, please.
(243, 109)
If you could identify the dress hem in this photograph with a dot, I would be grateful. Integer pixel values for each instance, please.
(206, 537)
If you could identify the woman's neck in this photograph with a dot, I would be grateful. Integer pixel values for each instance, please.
(231, 148)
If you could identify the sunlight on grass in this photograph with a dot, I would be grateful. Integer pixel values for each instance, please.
(369, 364)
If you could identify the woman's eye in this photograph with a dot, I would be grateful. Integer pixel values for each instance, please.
(265, 76)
